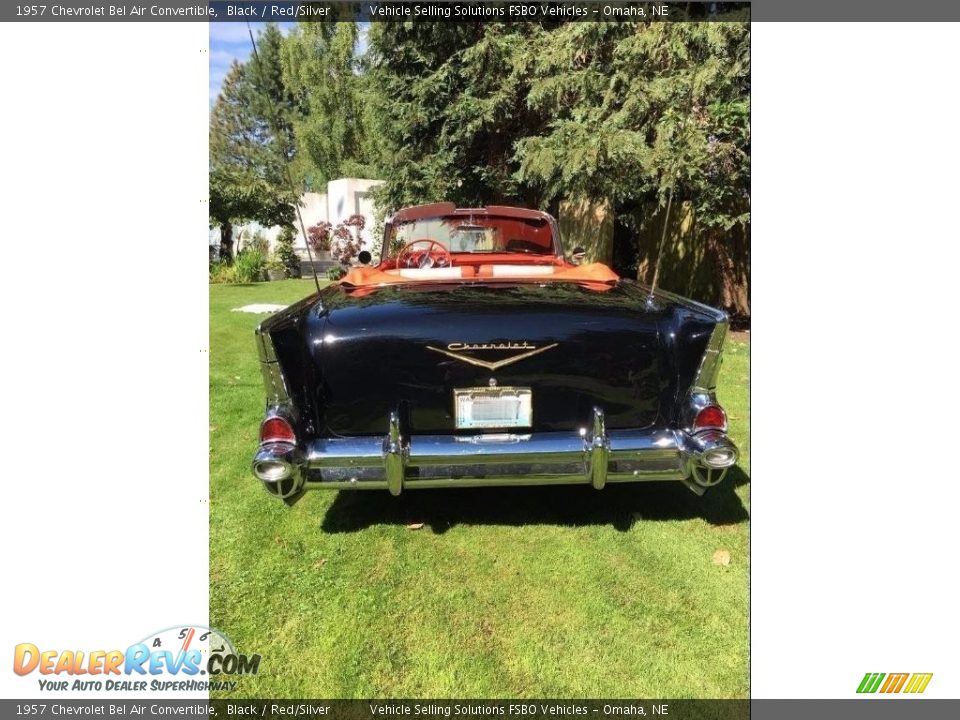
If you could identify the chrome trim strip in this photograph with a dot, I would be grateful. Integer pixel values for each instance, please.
(274, 383)
(706, 378)
(599, 450)
(712, 312)
(265, 348)
(495, 365)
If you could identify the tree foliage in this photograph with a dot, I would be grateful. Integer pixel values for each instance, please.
(322, 72)
(272, 100)
(452, 97)
(605, 111)
(636, 108)
(247, 155)
(641, 111)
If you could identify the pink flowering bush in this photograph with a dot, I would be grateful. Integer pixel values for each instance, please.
(319, 236)
(346, 244)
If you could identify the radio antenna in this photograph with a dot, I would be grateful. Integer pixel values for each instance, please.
(663, 237)
(286, 163)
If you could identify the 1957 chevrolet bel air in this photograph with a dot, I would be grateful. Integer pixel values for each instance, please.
(475, 354)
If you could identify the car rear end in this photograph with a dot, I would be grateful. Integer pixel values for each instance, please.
(526, 384)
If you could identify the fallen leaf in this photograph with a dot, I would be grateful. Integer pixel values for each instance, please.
(721, 557)
(319, 563)
(213, 428)
(414, 526)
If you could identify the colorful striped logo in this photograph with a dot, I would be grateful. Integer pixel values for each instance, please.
(894, 682)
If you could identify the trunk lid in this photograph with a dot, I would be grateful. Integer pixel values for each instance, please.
(408, 348)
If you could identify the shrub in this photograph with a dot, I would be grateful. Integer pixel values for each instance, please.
(285, 253)
(286, 235)
(345, 247)
(257, 243)
(249, 266)
(377, 249)
(346, 244)
(336, 272)
(319, 236)
(343, 241)
(221, 272)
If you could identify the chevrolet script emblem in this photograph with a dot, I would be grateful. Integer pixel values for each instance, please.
(454, 350)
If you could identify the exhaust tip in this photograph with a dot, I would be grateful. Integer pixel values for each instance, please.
(719, 458)
(712, 455)
(271, 470)
(277, 466)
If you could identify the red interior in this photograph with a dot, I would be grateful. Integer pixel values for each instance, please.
(526, 237)
(520, 248)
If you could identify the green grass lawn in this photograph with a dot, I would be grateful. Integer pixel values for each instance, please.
(504, 592)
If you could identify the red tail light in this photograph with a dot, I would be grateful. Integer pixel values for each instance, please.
(276, 429)
(712, 417)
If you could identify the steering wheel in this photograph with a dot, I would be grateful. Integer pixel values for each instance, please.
(412, 258)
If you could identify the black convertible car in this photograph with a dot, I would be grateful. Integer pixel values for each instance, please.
(475, 354)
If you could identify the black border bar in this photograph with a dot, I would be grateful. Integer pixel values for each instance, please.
(476, 10)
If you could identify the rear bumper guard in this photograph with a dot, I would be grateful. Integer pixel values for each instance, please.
(593, 456)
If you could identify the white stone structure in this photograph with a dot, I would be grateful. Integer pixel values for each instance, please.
(343, 198)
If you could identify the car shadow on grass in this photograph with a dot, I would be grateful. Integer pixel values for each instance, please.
(617, 505)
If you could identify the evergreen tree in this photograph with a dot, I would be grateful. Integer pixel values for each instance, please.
(273, 100)
(640, 111)
(452, 100)
(246, 166)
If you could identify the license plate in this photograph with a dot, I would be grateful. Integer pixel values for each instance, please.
(503, 407)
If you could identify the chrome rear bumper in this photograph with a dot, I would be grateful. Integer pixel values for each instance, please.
(593, 456)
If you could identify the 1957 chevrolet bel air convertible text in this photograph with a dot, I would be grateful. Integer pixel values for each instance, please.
(475, 354)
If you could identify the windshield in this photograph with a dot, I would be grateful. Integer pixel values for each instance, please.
(481, 234)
